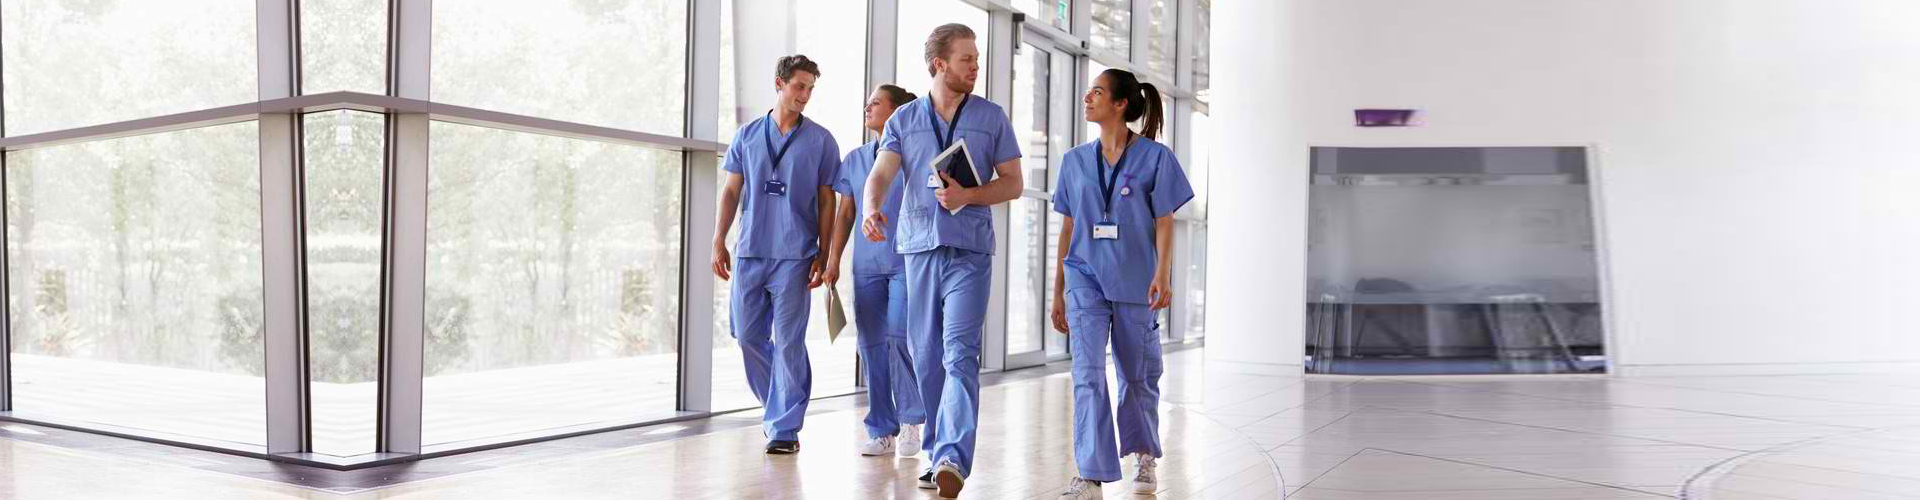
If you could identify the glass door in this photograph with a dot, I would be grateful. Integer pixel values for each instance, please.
(1042, 111)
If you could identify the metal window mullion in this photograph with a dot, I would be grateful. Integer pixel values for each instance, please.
(1183, 43)
(1140, 33)
(700, 182)
(404, 253)
(283, 259)
(6, 261)
(999, 47)
(6, 309)
(1082, 22)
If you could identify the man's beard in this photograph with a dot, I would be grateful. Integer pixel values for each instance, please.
(957, 84)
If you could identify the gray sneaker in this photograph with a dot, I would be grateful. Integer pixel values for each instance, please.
(1082, 489)
(1145, 480)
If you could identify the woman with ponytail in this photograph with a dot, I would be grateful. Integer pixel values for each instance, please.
(1117, 196)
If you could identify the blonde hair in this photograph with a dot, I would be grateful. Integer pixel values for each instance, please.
(940, 42)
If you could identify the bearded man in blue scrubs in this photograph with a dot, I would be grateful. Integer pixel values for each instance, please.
(945, 230)
(780, 172)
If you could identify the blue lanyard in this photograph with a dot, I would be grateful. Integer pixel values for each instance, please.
(933, 117)
(1107, 182)
(771, 126)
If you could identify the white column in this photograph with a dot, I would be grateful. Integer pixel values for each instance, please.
(1256, 303)
(403, 309)
(282, 246)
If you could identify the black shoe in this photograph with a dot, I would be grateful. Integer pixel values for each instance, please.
(783, 447)
(926, 480)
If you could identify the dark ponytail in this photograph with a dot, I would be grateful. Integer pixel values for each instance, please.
(1143, 100)
(899, 96)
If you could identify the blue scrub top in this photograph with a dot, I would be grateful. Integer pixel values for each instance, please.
(924, 225)
(782, 227)
(869, 257)
(1156, 187)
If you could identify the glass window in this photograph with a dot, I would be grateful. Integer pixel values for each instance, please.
(832, 33)
(1064, 97)
(345, 156)
(730, 109)
(1026, 320)
(917, 20)
(1056, 341)
(1162, 20)
(1032, 76)
(1202, 45)
(730, 389)
(134, 269)
(1196, 281)
(1113, 26)
(1058, 13)
(70, 64)
(1094, 69)
(343, 46)
(1200, 162)
(616, 63)
(553, 267)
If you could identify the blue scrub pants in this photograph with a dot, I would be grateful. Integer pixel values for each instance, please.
(880, 313)
(770, 321)
(1094, 321)
(947, 291)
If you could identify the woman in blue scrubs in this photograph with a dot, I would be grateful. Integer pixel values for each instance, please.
(1117, 196)
(879, 297)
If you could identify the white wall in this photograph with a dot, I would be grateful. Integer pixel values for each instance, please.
(1753, 190)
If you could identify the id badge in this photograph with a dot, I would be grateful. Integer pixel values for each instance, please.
(776, 188)
(1107, 231)
(933, 181)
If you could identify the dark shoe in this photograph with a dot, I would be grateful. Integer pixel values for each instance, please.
(783, 447)
(947, 477)
(926, 480)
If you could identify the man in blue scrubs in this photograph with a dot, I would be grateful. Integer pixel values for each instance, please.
(949, 254)
(780, 172)
(879, 298)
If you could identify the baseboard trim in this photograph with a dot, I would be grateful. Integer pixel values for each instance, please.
(1741, 369)
(1252, 368)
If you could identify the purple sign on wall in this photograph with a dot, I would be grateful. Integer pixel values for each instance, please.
(1382, 117)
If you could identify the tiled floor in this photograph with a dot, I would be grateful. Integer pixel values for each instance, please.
(1570, 437)
(1024, 452)
(1228, 435)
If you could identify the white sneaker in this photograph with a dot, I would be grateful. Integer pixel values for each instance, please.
(947, 479)
(877, 446)
(909, 438)
(1081, 489)
(1145, 481)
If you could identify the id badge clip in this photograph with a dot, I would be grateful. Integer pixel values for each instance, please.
(933, 181)
(776, 188)
(1106, 231)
